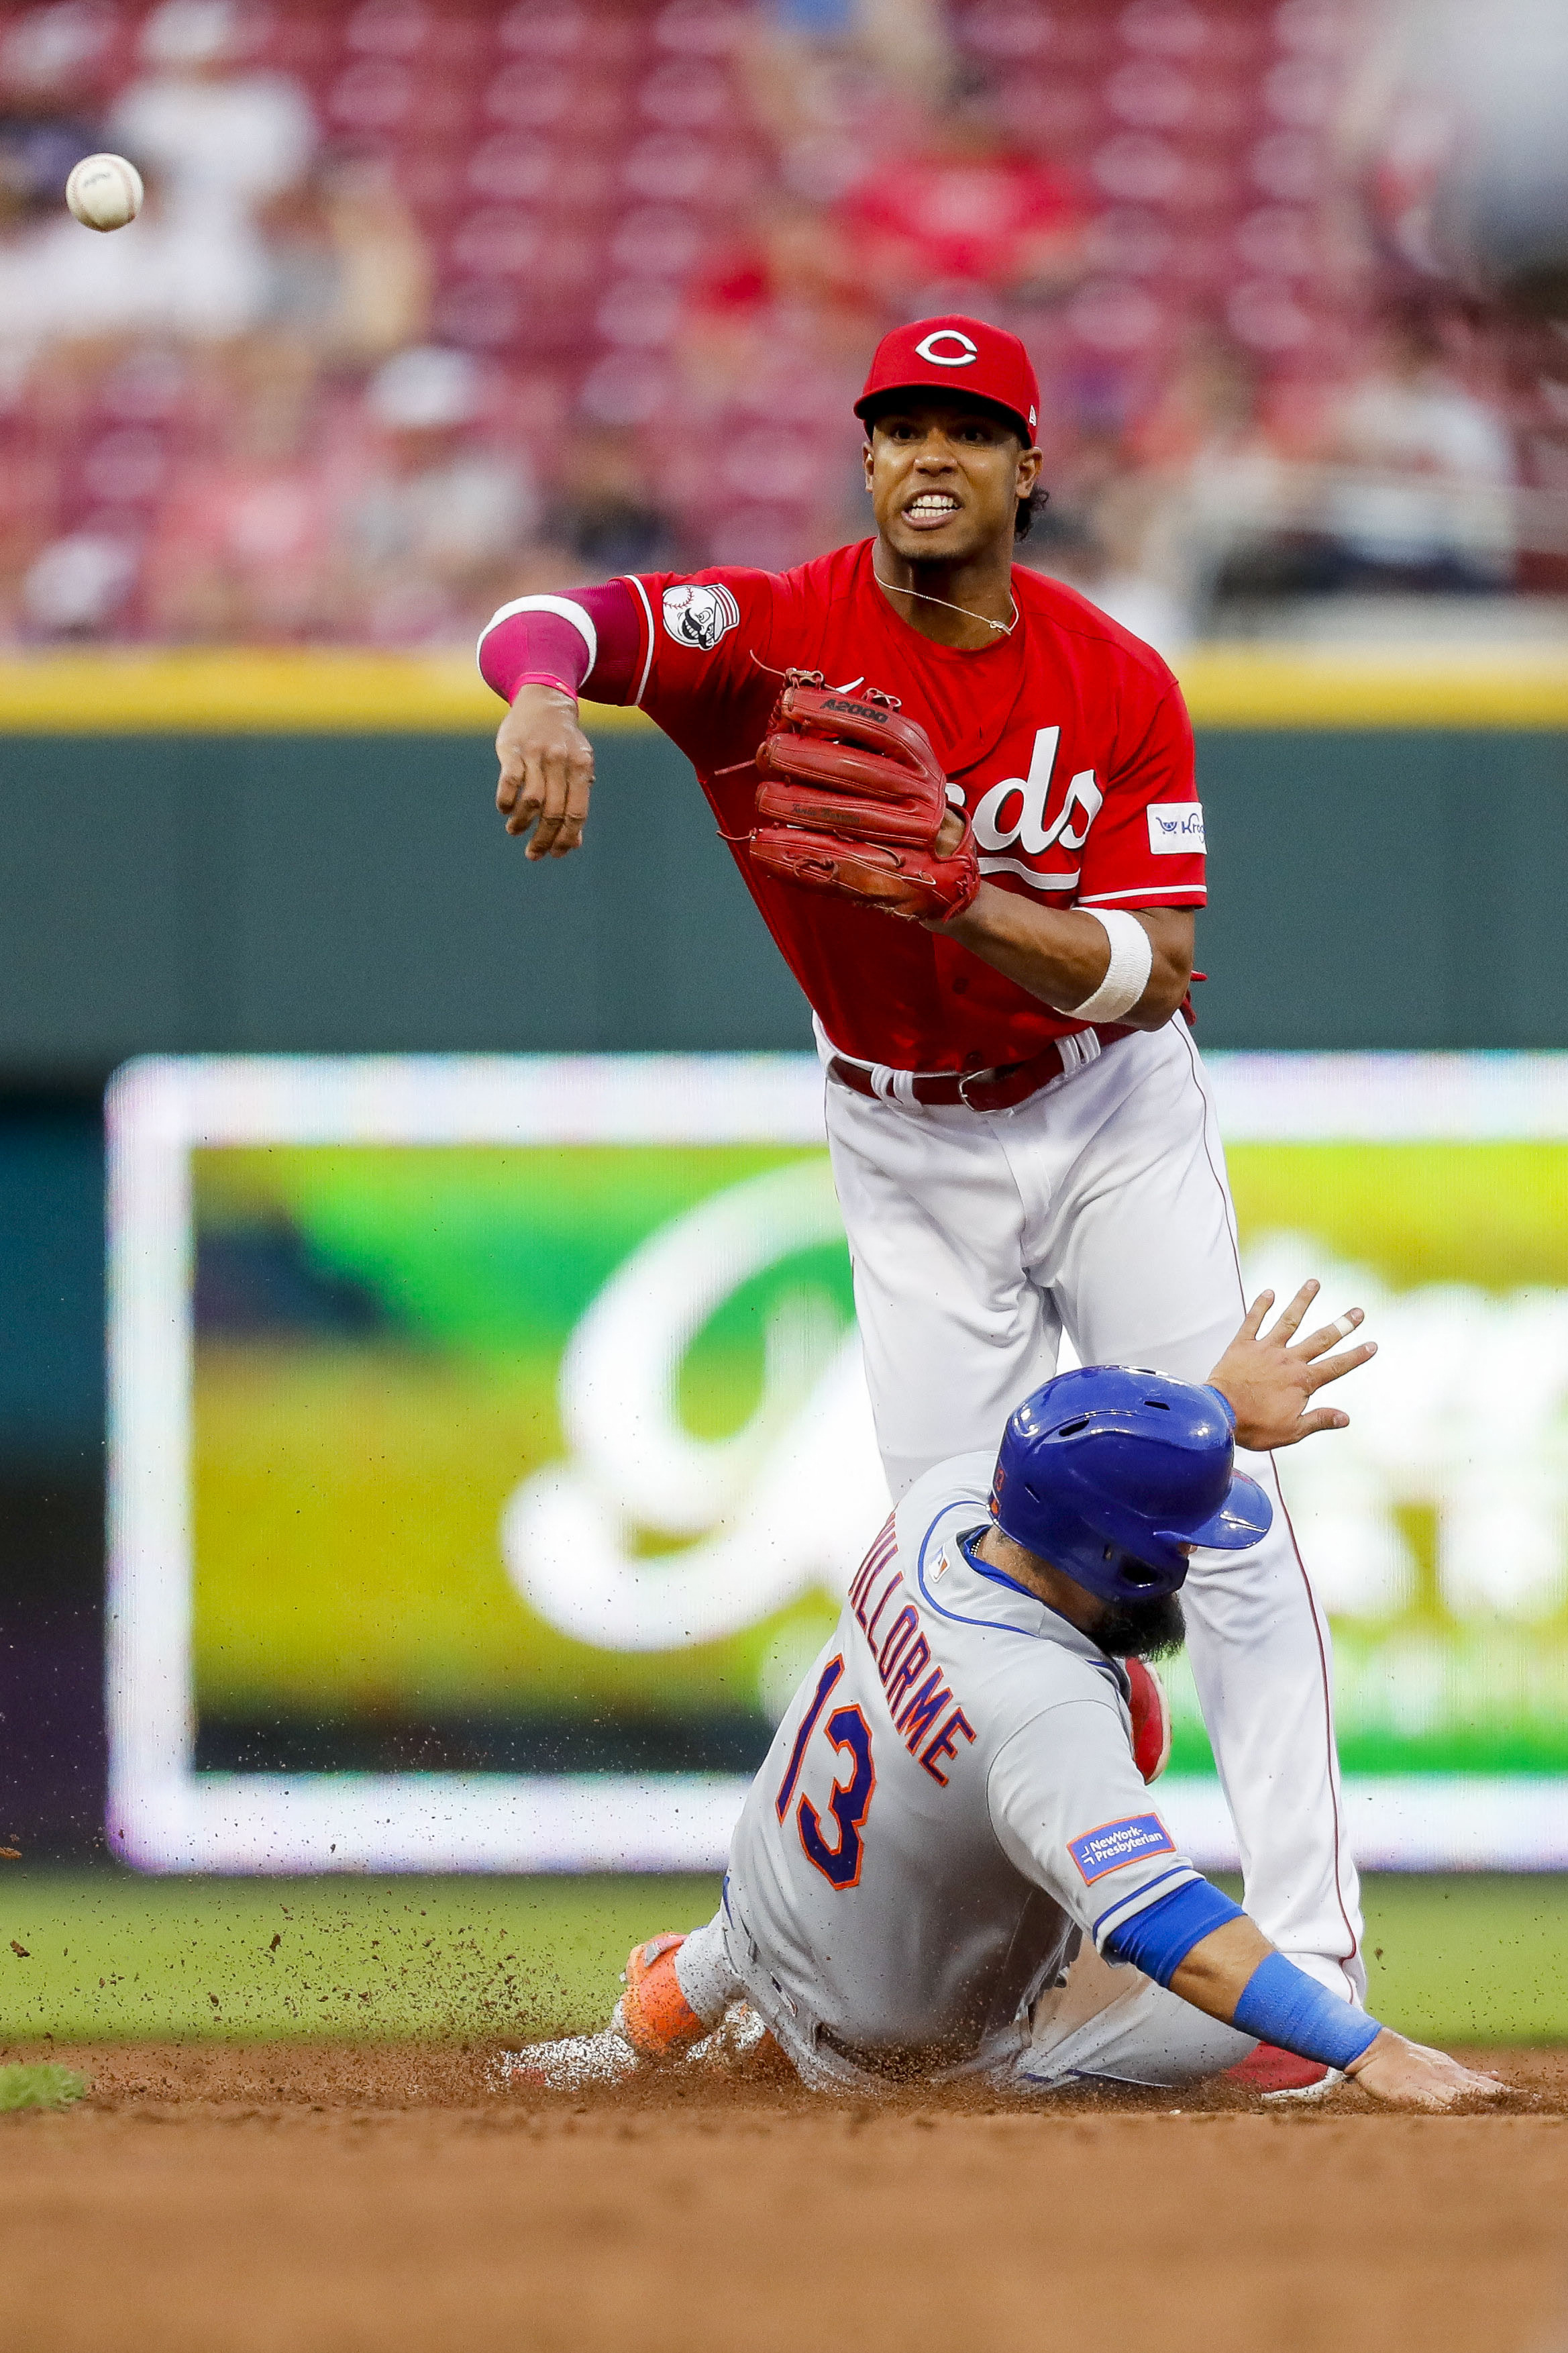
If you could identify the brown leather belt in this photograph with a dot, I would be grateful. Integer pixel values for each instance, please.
(998, 1090)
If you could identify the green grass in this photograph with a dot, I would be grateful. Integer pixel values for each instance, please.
(1470, 1959)
(1474, 1958)
(45, 2085)
(109, 1955)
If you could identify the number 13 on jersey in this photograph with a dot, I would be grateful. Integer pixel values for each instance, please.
(850, 1803)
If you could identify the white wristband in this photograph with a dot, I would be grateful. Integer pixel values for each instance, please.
(1126, 975)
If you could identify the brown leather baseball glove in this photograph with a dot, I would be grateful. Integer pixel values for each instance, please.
(852, 800)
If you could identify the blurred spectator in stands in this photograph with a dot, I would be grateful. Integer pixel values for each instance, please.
(832, 81)
(434, 534)
(1100, 532)
(788, 281)
(348, 272)
(906, 41)
(212, 142)
(910, 43)
(81, 585)
(771, 351)
(603, 515)
(1426, 502)
(242, 545)
(964, 219)
(1225, 503)
(48, 60)
(217, 135)
(95, 437)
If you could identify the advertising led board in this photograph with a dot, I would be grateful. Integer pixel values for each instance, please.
(490, 1452)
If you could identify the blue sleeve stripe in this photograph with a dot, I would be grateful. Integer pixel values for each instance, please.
(1158, 1941)
(1280, 2003)
(1136, 1895)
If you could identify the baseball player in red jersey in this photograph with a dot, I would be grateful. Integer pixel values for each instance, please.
(1022, 1138)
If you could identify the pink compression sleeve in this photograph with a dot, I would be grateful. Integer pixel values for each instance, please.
(592, 645)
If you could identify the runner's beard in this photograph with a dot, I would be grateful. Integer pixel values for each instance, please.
(1141, 1630)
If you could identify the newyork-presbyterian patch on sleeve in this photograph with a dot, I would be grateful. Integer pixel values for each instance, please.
(1114, 1843)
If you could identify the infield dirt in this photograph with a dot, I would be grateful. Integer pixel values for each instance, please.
(379, 2198)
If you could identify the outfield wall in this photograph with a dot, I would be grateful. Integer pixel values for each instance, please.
(258, 853)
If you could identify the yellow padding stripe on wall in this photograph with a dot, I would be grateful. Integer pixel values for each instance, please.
(305, 693)
(1435, 686)
(125, 691)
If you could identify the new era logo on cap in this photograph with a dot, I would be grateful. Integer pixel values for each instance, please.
(952, 355)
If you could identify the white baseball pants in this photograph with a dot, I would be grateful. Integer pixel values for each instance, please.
(1099, 2022)
(1116, 2023)
(1100, 1208)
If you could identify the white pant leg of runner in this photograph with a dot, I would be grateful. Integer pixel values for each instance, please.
(705, 1970)
(1102, 2021)
(1101, 1204)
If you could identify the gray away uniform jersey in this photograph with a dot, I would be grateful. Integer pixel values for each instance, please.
(950, 1804)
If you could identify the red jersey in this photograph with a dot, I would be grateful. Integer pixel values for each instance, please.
(1068, 743)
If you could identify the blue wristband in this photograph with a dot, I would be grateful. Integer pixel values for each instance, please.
(1281, 2004)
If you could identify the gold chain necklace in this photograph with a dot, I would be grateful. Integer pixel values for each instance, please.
(1003, 629)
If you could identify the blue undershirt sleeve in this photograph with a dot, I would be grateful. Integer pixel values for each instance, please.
(1158, 1939)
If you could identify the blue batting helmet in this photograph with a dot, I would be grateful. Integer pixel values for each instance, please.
(1107, 1473)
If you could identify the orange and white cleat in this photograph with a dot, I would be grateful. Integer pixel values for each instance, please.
(653, 2013)
(652, 2026)
(1150, 1713)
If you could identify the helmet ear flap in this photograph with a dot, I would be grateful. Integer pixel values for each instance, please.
(1136, 1573)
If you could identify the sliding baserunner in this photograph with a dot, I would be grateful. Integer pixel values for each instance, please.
(951, 1807)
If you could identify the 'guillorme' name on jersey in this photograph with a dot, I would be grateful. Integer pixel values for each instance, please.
(905, 1654)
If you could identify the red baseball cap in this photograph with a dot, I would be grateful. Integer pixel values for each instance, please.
(957, 356)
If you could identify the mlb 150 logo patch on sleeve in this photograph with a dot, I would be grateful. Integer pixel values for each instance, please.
(1114, 1843)
(1176, 827)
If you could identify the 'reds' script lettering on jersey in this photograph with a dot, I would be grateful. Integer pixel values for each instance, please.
(1066, 742)
(926, 1715)
(1044, 814)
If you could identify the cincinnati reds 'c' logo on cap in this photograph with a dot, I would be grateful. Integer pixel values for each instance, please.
(964, 356)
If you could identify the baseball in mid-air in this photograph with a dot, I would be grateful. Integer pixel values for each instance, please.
(105, 192)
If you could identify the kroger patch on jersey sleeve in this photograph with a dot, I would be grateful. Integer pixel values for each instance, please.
(698, 614)
(1176, 828)
(1114, 1843)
